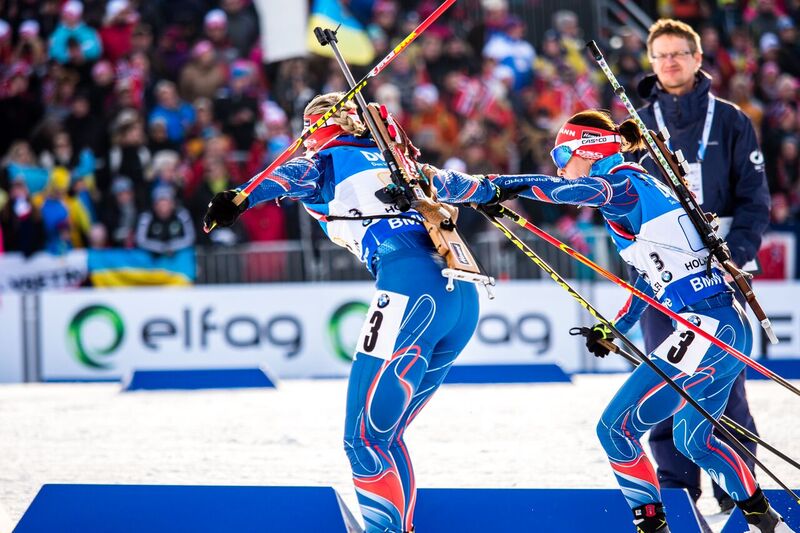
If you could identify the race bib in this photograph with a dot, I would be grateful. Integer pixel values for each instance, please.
(380, 329)
(684, 349)
(695, 181)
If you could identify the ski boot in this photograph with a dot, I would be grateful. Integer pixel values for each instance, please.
(760, 516)
(650, 518)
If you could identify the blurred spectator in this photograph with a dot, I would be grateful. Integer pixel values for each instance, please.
(66, 222)
(168, 171)
(741, 94)
(236, 108)
(242, 25)
(21, 220)
(20, 163)
(129, 155)
(216, 30)
(19, 105)
(86, 130)
(763, 19)
(743, 53)
(117, 32)
(789, 52)
(165, 228)
(204, 75)
(716, 61)
(121, 217)
(433, 129)
(30, 47)
(509, 48)
(177, 114)
(73, 40)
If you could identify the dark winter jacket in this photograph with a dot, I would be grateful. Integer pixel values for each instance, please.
(734, 182)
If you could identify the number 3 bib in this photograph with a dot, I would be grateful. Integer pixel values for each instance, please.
(685, 349)
(380, 329)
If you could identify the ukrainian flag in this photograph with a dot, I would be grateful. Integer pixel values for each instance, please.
(354, 43)
(120, 268)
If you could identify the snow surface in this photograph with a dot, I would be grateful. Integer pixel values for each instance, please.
(469, 436)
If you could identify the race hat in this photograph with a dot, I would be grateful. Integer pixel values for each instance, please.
(584, 141)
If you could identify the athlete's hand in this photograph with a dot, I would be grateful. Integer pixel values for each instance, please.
(222, 211)
(501, 194)
(594, 336)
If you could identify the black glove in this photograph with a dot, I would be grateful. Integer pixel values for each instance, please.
(222, 211)
(593, 335)
(501, 194)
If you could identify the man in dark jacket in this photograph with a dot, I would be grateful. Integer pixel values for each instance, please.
(727, 177)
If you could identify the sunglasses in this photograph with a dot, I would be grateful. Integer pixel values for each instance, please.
(562, 153)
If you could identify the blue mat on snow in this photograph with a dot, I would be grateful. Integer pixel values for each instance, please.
(540, 510)
(212, 378)
(184, 509)
(536, 373)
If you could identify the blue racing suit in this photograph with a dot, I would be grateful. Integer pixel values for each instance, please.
(388, 386)
(652, 233)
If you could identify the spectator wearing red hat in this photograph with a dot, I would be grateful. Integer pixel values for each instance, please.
(203, 75)
(74, 39)
(117, 32)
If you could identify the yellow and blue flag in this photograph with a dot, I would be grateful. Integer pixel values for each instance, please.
(354, 42)
(120, 268)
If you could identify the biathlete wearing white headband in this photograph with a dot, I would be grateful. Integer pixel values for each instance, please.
(653, 234)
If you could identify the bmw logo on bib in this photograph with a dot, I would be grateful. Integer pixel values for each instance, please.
(694, 319)
(666, 277)
(383, 300)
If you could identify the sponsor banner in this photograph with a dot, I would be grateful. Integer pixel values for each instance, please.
(310, 330)
(11, 356)
(296, 330)
(42, 271)
(780, 302)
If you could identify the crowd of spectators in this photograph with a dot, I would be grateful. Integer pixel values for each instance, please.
(121, 119)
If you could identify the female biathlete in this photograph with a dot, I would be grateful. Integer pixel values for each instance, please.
(414, 329)
(652, 234)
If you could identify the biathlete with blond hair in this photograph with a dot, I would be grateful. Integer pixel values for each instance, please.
(414, 329)
(652, 234)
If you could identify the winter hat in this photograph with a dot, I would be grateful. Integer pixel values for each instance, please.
(201, 48)
(215, 18)
(29, 28)
(5, 30)
(768, 42)
(163, 192)
(121, 184)
(115, 7)
(72, 9)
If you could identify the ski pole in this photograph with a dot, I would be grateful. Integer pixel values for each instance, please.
(746, 433)
(651, 301)
(357, 88)
(596, 314)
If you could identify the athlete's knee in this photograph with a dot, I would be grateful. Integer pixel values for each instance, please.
(608, 433)
(365, 454)
(694, 449)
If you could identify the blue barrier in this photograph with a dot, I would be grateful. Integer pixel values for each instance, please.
(785, 368)
(189, 509)
(538, 373)
(780, 500)
(212, 378)
(540, 510)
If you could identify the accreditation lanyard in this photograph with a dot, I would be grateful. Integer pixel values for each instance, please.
(701, 150)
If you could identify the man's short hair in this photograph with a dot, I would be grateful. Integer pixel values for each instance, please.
(673, 27)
